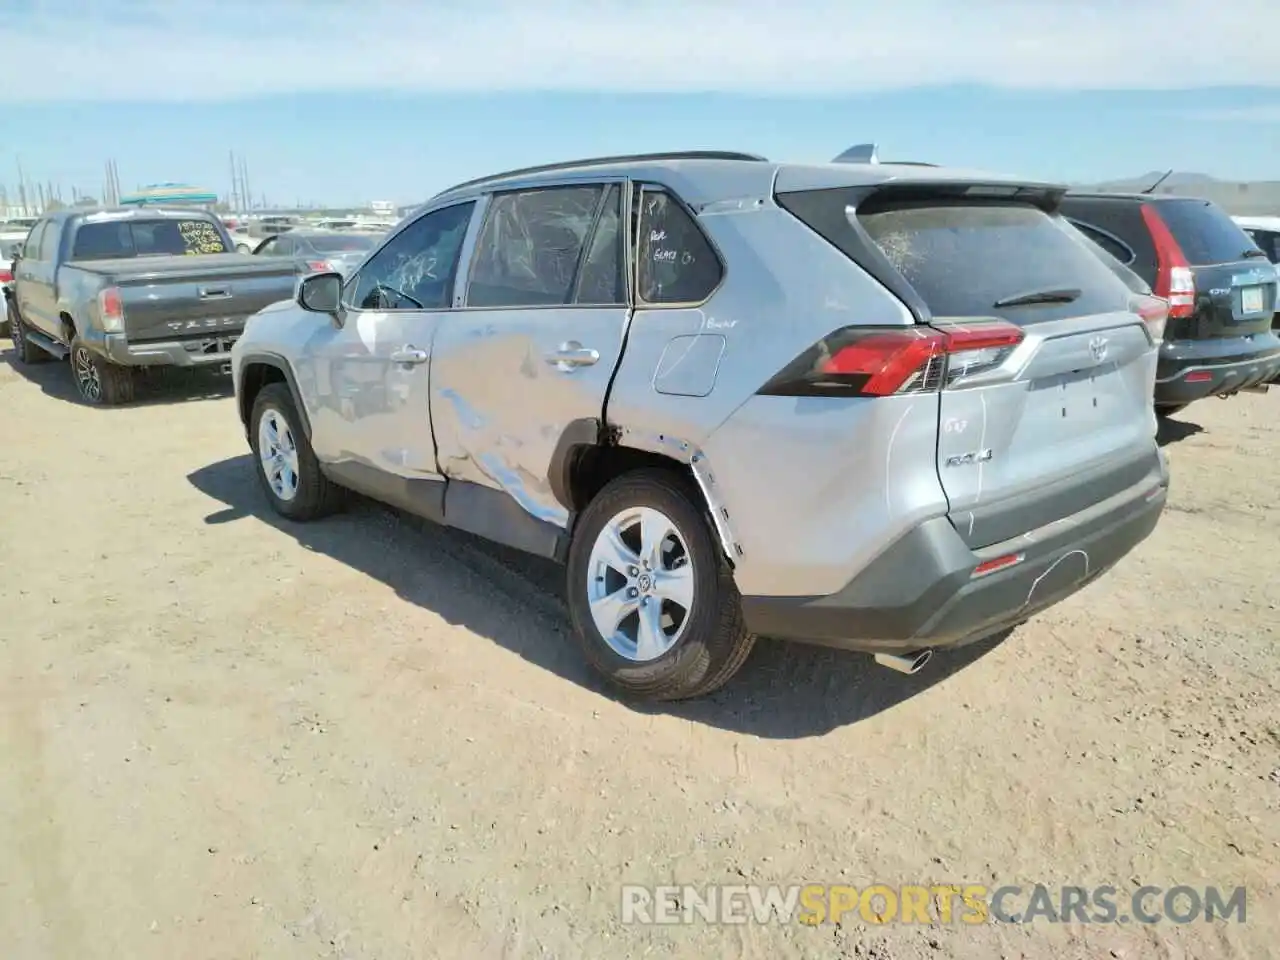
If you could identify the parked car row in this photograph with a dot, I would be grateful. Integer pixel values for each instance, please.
(883, 407)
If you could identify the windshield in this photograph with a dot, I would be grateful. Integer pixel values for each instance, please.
(351, 243)
(146, 238)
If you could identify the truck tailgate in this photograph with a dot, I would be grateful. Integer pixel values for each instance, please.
(167, 298)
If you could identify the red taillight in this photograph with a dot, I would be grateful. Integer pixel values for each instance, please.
(320, 266)
(1174, 279)
(111, 310)
(880, 362)
(6, 275)
(1198, 376)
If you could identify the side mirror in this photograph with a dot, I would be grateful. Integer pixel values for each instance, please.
(321, 293)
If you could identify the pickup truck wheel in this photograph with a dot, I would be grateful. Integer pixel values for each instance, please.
(650, 593)
(99, 381)
(287, 466)
(24, 349)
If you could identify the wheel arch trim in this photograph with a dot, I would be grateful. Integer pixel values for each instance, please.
(590, 432)
(277, 362)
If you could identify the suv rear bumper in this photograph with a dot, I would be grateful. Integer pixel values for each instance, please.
(1193, 369)
(922, 591)
(201, 352)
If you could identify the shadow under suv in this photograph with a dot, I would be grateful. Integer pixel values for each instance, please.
(1220, 286)
(881, 407)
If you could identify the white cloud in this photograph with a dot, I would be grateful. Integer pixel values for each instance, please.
(154, 50)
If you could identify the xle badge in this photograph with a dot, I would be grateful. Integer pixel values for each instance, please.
(965, 459)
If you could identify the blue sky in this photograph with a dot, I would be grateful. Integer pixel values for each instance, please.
(395, 99)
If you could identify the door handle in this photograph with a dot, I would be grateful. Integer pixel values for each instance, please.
(409, 354)
(572, 354)
(215, 293)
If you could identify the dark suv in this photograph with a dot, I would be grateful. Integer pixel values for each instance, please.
(1221, 288)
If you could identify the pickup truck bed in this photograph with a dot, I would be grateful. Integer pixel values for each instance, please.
(180, 299)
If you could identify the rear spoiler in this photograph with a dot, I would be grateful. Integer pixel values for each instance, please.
(870, 153)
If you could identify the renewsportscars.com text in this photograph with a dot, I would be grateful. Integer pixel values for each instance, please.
(814, 904)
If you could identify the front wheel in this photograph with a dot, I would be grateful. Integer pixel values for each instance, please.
(24, 349)
(287, 466)
(650, 593)
(99, 381)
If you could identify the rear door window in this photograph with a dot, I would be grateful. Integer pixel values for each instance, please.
(529, 250)
(963, 258)
(1204, 231)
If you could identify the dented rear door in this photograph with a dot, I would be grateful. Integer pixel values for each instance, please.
(536, 339)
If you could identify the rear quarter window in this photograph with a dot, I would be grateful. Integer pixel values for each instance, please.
(963, 257)
(1204, 231)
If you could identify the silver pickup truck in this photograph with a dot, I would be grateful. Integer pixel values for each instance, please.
(115, 290)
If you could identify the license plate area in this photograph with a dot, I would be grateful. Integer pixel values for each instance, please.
(1252, 300)
(1077, 401)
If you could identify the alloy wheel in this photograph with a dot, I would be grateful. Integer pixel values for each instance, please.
(278, 454)
(87, 378)
(640, 584)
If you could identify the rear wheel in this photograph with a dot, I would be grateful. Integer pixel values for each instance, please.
(650, 593)
(99, 381)
(287, 466)
(24, 349)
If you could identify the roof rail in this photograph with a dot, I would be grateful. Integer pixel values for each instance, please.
(600, 161)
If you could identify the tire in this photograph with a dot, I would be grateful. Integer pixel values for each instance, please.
(23, 349)
(710, 642)
(1169, 409)
(99, 381)
(312, 495)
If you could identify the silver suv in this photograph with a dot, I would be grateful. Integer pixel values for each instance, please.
(884, 407)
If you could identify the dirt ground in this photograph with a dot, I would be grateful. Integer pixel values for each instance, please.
(224, 736)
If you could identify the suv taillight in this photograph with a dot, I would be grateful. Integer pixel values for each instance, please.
(320, 266)
(6, 275)
(881, 362)
(1154, 313)
(1174, 279)
(111, 310)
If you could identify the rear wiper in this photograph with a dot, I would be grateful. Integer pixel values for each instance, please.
(1250, 254)
(1059, 295)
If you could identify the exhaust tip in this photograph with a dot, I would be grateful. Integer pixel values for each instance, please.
(907, 663)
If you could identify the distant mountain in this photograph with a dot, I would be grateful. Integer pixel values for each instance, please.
(1250, 198)
(1175, 179)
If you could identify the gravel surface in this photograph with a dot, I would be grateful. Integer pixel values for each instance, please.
(226, 736)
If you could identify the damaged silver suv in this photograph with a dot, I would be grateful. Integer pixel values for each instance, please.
(883, 407)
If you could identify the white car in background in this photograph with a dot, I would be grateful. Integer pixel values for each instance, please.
(1265, 232)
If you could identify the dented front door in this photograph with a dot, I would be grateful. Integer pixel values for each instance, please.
(507, 380)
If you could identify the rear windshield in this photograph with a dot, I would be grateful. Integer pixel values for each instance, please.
(1204, 231)
(964, 257)
(341, 244)
(144, 238)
